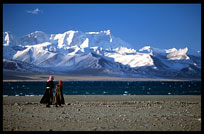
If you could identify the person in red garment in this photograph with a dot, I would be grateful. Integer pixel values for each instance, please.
(58, 98)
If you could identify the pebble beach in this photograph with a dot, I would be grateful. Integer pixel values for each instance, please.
(104, 113)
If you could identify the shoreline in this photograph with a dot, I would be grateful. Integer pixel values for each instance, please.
(119, 80)
(104, 113)
(23, 77)
(100, 98)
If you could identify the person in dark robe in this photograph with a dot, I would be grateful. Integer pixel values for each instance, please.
(58, 98)
(48, 95)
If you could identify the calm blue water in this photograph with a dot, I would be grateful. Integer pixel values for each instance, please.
(106, 88)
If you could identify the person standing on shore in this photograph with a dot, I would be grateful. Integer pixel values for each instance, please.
(58, 98)
(48, 95)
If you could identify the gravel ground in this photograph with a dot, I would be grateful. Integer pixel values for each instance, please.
(104, 113)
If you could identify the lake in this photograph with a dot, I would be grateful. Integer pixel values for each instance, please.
(106, 88)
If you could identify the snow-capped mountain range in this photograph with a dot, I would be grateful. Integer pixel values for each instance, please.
(95, 53)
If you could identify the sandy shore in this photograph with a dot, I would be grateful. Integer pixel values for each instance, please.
(104, 113)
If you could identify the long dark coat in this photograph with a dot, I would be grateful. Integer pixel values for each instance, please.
(58, 98)
(48, 95)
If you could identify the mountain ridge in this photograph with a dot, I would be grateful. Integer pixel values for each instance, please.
(98, 53)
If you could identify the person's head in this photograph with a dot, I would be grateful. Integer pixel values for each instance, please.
(51, 78)
(60, 83)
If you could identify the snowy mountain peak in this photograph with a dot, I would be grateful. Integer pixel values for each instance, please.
(124, 50)
(174, 54)
(85, 44)
(36, 34)
(63, 40)
(70, 38)
(36, 37)
(108, 32)
(171, 50)
(70, 32)
(98, 51)
(145, 48)
(8, 38)
(92, 32)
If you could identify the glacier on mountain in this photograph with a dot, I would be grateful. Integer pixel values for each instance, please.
(96, 53)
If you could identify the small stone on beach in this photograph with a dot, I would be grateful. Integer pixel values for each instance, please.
(98, 118)
(160, 107)
(16, 104)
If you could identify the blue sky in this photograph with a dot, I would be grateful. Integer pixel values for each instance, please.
(157, 25)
